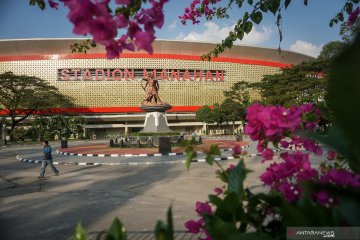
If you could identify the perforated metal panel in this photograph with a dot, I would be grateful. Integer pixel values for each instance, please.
(130, 93)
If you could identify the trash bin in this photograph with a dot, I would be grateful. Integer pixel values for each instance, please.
(64, 144)
(164, 145)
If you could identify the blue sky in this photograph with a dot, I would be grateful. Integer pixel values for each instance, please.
(305, 29)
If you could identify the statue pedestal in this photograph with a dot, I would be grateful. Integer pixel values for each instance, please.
(156, 120)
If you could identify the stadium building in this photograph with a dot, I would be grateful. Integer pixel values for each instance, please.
(109, 92)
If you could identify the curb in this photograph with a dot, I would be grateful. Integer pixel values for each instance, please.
(18, 157)
(259, 154)
(139, 155)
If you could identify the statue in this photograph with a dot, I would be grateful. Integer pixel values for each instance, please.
(154, 107)
(151, 90)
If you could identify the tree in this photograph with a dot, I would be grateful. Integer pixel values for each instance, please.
(21, 96)
(332, 49)
(219, 115)
(302, 83)
(63, 126)
(232, 111)
(76, 125)
(205, 115)
(239, 92)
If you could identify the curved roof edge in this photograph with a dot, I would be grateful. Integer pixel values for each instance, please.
(49, 46)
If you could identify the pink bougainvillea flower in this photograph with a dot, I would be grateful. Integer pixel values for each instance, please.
(203, 208)
(231, 167)
(341, 177)
(290, 192)
(284, 144)
(121, 21)
(112, 50)
(123, 2)
(218, 191)
(331, 155)
(268, 177)
(80, 14)
(143, 40)
(307, 174)
(353, 16)
(193, 226)
(124, 44)
(268, 154)
(103, 30)
(53, 4)
(237, 149)
(323, 198)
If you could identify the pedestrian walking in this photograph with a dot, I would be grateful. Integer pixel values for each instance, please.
(47, 161)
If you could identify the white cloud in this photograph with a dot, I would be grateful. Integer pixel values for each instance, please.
(215, 33)
(173, 25)
(181, 36)
(306, 48)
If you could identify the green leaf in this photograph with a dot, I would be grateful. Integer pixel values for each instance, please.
(239, 3)
(264, 7)
(344, 97)
(191, 154)
(349, 7)
(250, 236)
(215, 150)
(245, 17)
(250, 2)
(256, 17)
(274, 6)
(335, 139)
(247, 27)
(209, 160)
(236, 179)
(116, 232)
(216, 201)
(240, 35)
(41, 4)
(231, 203)
(79, 233)
(165, 231)
(340, 16)
(217, 228)
(287, 2)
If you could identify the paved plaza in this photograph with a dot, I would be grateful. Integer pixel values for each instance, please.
(137, 194)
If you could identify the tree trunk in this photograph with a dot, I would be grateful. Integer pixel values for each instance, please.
(12, 127)
(233, 130)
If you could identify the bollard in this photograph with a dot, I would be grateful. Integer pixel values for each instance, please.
(111, 144)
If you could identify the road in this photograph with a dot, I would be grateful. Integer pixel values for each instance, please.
(95, 195)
